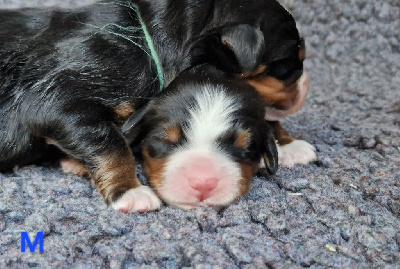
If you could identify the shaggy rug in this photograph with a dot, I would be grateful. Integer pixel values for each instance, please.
(343, 211)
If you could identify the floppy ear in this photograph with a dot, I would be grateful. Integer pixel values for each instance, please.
(269, 150)
(131, 128)
(264, 142)
(247, 44)
(237, 49)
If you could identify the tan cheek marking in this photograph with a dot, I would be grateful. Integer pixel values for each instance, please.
(173, 134)
(274, 91)
(114, 173)
(154, 170)
(123, 111)
(261, 69)
(247, 173)
(280, 133)
(269, 88)
(242, 140)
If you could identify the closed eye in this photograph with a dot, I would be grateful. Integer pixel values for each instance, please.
(285, 69)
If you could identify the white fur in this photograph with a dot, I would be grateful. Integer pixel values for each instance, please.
(140, 199)
(296, 152)
(210, 117)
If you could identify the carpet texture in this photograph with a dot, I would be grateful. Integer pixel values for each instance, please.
(342, 211)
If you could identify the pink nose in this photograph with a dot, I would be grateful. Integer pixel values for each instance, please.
(203, 185)
(202, 176)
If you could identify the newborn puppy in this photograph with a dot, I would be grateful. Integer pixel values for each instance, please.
(283, 85)
(268, 54)
(202, 140)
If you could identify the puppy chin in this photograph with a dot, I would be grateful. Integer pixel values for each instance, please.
(274, 114)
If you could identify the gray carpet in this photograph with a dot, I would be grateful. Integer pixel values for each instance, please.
(341, 212)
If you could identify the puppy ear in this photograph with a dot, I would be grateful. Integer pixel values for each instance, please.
(247, 44)
(131, 128)
(269, 150)
(237, 49)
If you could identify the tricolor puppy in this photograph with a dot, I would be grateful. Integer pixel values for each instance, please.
(202, 140)
(284, 96)
(268, 54)
(70, 78)
(283, 85)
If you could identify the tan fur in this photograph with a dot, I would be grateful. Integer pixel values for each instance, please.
(49, 142)
(72, 166)
(154, 170)
(247, 173)
(242, 140)
(115, 171)
(274, 92)
(227, 44)
(173, 134)
(261, 69)
(281, 135)
(123, 111)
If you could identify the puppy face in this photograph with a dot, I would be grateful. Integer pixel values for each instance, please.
(258, 41)
(202, 144)
(281, 82)
(283, 96)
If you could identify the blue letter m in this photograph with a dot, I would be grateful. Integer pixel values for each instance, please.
(25, 239)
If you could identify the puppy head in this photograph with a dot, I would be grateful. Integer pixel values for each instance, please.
(258, 41)
(202, 143)
(281, 81)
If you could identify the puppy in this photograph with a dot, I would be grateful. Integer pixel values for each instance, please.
(70, 78)
(202, 140)
(284, 94)
(268, 54)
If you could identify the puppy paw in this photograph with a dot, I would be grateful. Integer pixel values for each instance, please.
(140, 199)
(74, 167)
(296, 152)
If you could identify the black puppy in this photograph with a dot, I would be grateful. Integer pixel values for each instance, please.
(69, 78)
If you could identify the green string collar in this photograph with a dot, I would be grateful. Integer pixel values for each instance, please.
(130, 32)
(153, 52)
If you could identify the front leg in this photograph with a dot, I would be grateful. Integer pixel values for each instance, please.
(292, 151)
(96, 142)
